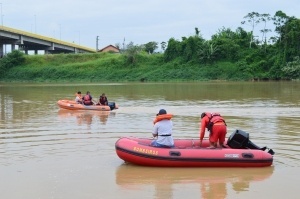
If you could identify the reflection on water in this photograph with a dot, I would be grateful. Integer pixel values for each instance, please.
(85, 117)
(211, 182)
(33, 129)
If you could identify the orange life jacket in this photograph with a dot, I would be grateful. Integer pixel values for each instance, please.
(162, 117)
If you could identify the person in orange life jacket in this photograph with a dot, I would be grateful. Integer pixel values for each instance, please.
(103, 100)
(217, 131)
(87, 99)
(163, 130)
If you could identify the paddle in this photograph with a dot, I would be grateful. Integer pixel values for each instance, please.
(94, 102)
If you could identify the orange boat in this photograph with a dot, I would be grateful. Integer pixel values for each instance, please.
(240, 152)
(72, 105)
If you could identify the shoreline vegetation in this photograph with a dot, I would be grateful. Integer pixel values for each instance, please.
(230, 55)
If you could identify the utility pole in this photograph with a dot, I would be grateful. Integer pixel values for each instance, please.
(59, 31)
(79, 37)
(35, 24)
(97, 40)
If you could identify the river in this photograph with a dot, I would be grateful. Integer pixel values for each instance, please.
(50, 153)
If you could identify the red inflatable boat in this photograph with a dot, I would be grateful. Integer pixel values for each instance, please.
(240, 152)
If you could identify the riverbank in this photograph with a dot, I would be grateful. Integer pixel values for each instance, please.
(108, 67)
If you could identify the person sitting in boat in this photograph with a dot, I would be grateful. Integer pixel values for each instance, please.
(103, 100)
(163, 130)
(217, 127)
(78, 98)
(87, 99)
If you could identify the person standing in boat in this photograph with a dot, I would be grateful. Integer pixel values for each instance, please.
(217, 127)
(78, 98)
(163, 130)
(87, 99)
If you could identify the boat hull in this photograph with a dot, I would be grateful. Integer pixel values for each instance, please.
(72, 105)
(187, 153)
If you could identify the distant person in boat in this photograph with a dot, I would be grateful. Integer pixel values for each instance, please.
(216, 124)
(78, 98)
(87, 99)
(103, 100)
(163, 130)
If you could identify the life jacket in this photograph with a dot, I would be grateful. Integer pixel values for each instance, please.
(214, 118)
(162, 117)
(103, 100)
(87, 99)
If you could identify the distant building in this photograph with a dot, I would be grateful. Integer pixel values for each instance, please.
(110, 48)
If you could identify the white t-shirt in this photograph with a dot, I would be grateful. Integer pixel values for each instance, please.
(78, 100)
(164, 127)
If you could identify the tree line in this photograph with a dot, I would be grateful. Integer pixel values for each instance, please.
(275, 57)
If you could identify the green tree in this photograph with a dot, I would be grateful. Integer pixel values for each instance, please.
(279, 20)
(228, 44)
(173, 50)
(288, 42)
(207, 52)
(252, 19)
(131, 52)
(265, 18)
(150, 47)
(292, 69)
(15, 58)
(163, 45)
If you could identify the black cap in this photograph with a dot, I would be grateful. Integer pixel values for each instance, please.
(162, 112)
(203, 115)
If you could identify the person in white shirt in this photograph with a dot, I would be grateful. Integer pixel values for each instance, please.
(163, 130)
(78, 98)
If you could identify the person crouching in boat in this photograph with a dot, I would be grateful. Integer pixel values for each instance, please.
(163, 130)
(216, 124)
(87, 99)
(78, 98)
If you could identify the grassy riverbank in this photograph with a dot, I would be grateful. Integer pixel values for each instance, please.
(107, 67)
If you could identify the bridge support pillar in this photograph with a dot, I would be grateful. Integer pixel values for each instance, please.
(26, 52)
(35, 52)
(1, 50)
(13, 47)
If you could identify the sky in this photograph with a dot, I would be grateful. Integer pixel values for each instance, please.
(137, 21)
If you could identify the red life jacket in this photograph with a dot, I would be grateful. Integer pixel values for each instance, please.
(214, 118)
(103, 100)
(87, 99)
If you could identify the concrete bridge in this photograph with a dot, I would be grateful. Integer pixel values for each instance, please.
(27, 41)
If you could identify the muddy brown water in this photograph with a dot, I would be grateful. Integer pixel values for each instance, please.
(47, 152)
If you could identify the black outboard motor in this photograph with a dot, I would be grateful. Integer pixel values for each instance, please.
(112, 105)
(240, 140)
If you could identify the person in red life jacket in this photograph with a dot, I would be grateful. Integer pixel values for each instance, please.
(87, 99)
(217, 127)
(163, 130)
(103, 100)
